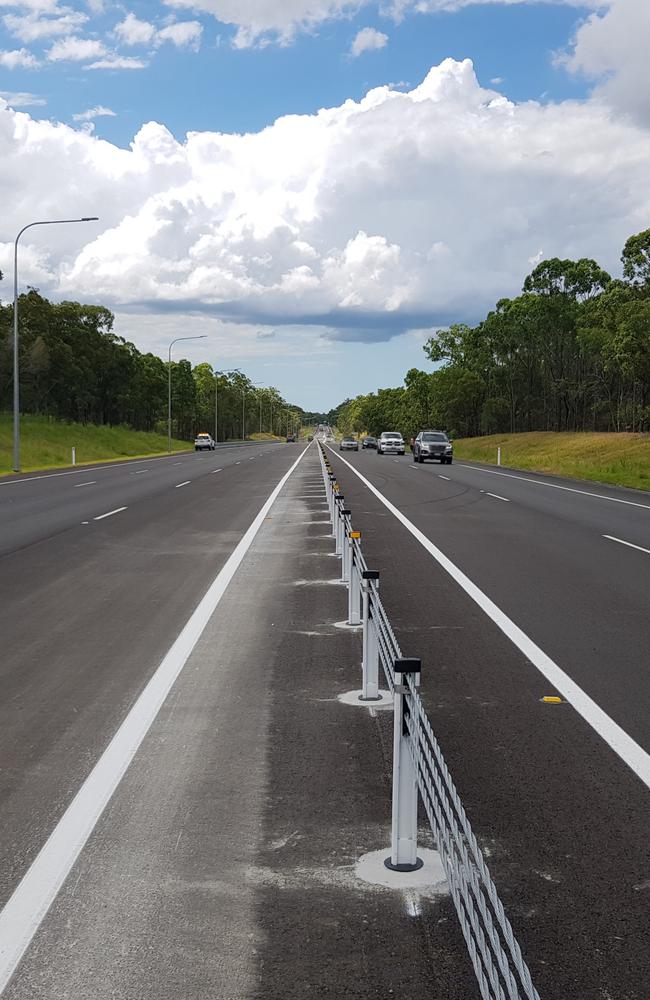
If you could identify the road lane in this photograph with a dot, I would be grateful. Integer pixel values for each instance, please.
(33, 509)
(543, 560)
(562, 820)
(85, 617)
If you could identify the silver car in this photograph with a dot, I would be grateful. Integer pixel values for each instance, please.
(434, 445)
(349, 443)
(390, 443)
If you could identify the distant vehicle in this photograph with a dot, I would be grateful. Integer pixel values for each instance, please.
(291, 438)
(349, 443)
(390, 443)
(203, 442)
(369, 442)
(434, 445)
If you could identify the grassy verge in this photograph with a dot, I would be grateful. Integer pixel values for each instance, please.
(619, 459)
(47, 444)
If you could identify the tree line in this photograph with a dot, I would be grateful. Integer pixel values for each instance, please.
(572, 352)
(75, 367)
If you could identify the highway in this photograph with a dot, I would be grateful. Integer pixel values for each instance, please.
(187, 795)
(563, 817)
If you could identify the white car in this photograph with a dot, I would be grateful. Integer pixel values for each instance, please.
(390, 443)
(203, 442)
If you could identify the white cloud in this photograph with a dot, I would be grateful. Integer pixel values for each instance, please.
(612, 48)
(18, 59)
(183, 34)
(133, 31)
(75, 50)
(368, 40)
(32, 26)
(400, 211)
(20, 99)
(98, 112)
(113, 61)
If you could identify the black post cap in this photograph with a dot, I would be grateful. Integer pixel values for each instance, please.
(344, 512)
(407, 665)
(370, 574)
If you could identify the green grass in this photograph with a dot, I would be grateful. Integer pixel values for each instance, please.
(47, 443)
(619, 459)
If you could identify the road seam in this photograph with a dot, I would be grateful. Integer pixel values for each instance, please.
(32, 898)
(614, 735)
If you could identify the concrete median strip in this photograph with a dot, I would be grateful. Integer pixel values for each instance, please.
(614, 735)
(31, 900)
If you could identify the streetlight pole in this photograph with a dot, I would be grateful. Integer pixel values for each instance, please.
(217, 373)
(46, 222)
(201, 336)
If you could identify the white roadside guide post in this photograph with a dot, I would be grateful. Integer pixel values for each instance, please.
(74, 456)
(499, 455)
(345, 549)
(354, 586)
(338, 504)
(404, 834)
(370, 655)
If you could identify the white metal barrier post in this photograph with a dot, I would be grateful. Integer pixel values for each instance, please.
(354, 590)
(345, 548)
(404, 834)
(370, 657)
(339, 523)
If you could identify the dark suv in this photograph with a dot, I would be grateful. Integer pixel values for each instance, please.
(433, 444)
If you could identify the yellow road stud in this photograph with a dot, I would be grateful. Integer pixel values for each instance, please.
(355, 534)
(552, 699)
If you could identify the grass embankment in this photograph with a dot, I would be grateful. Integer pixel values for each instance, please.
(619, 459)
(47, 444)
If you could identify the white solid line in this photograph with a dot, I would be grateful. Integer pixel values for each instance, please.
(631, 544)
(627, 749)
(186, 483)
(26, 908)
(555, 486)
(79, 485)
(110, 513)
(496, 496)
(444, 477)
(87, 468)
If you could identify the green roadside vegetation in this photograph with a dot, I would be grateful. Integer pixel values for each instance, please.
(618, 459)
(47, 443)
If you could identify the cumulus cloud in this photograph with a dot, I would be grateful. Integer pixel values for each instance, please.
(32, 26)
(18, 59)
(133, 31)
(612, 48)
(75, 50)
(20, 99)
(400, 211)
(367, 40)
(97, 112)
(113, 61)
(183, 34)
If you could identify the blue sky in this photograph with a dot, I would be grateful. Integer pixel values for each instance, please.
(318, 252)
(223, 88)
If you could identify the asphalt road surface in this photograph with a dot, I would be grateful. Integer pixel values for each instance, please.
(223, 865)
(563, 817)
